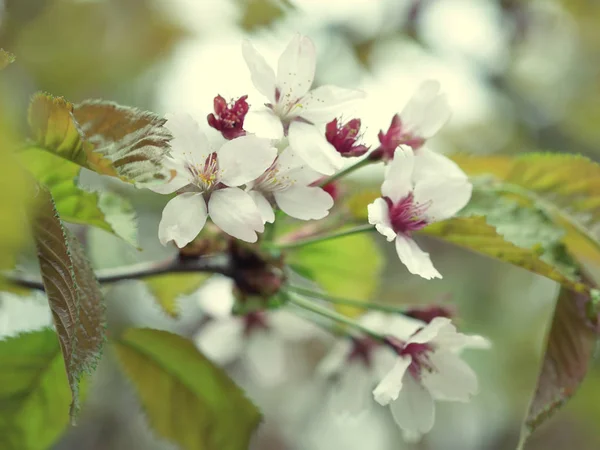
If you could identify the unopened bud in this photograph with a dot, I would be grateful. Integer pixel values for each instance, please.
(229, 118)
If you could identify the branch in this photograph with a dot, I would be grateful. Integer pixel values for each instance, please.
(208, 264)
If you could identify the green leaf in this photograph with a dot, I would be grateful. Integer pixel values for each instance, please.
(73, 293)
(34, 392)
(187, 399)
(261, 13)
(565, 187)
(104, 210)
(475, 234)
(345, 267)
(6, 58)
(569, 349)
(102, 136)
(168, 288)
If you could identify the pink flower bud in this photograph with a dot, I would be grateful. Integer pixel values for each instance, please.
(229, 118)
(345, 137)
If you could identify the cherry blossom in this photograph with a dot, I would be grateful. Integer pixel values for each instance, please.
(345, 137)
(207, 182)
(294, 110)
(287, 183)
(229, 118)
(412, 200)
(428, 367)
(257, 340)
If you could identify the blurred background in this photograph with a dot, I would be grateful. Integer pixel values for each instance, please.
(520, 76)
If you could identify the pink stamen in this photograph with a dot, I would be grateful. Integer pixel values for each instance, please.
(406, 216)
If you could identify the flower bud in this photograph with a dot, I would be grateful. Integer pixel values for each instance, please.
(345, 137)
(229, 118)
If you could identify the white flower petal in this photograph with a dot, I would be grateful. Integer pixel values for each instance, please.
(215, 296)
(304, 202)
(448, 338)
(221, 340)
(263, 123)
(350, 395)
(292, 167)
(403, 327)
(179, 181)
(324, 103)
(379, 215)
(335, 361)
(399, 175)
(264, 358)
(414, 409)
(263, 205)
(452, 379)
(310, 144)
(416, 110)
(444, 196)
(244, 159)
(290, 327)
(189, 143)
(182, 219)
(234, 212)
(437, 115)
(296, 69)
(263, 76)
(431, 164)
(389, 388)
(416, 260)
(431, 331)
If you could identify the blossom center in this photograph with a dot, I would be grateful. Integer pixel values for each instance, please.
(255, 321)
(205, 175)
(406, 215)
(228, 118)
(272, 180)
(419, 354)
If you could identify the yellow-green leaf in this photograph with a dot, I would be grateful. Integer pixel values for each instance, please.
(168, 288)
(34, 392)
(73, 294)
(188, 400)
(261, 13)
(102, 136)
(6, 58)
(104, 210)
(346, 267)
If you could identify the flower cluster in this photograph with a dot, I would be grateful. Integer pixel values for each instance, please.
(286, 157)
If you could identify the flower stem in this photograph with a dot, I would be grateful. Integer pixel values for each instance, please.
(332, 315)
(347, 170)
(347, 301)
(327, 237)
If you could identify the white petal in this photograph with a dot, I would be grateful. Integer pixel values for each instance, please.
(263, 123)
(431, 331)
(296, 69)
(244, 159)
(263, 205)
(292, 167)
(437, 115)
(177, 182)
(265, 358)
(375, 320)
(448, 338)
(444, 196)
(189, 142)
(416, 260)
(416, 110)
(182, 219)
(389, 388)
(215, 297)
(350, 395)
(234, 212)
(263, 76)
(324, 103)
(379, 215)
(431, 164)
(413, 410)
(304, 202)
(290, 327)
(335, 361)
(452, 379)
(399, 175)
(403, 327)
(310, 144)
(221, 340)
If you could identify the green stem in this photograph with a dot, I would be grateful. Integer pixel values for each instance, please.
(346, 301)
(347, 170)
(332, 315)
(317, 239)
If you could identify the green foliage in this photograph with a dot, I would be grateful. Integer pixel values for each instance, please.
(6, 58)
(168, 288)
(104, 210)
(73, 293)
(345, 267)
(102, 136)
(187, 399)
(34, 392)
(571, 343)
(261, 13)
